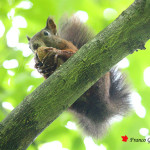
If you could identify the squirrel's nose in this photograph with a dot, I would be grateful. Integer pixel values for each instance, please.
(36, 46)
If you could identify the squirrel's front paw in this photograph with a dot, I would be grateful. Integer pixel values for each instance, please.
(46, 60)
(50, 56)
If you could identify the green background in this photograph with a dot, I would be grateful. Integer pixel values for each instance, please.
(14, 88)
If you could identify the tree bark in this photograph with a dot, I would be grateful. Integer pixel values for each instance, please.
(126, 34)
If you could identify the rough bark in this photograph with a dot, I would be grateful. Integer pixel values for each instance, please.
(126, 34)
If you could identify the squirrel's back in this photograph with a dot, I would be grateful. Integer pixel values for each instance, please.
(74, 30)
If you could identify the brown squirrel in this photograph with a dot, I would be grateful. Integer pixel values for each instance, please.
(107, 98)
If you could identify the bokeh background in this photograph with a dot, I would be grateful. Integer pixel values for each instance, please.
(18, 78)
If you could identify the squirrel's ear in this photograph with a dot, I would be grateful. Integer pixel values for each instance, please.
(51, 25)
(28, 38)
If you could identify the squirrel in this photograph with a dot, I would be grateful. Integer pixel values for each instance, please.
(107, 98)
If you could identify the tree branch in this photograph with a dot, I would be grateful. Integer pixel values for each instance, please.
(126, 34)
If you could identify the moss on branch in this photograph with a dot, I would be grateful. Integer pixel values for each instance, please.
(126, 34)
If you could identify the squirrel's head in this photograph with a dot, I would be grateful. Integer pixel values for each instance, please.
(46, 37)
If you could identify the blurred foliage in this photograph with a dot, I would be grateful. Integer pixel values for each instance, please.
(15, 86)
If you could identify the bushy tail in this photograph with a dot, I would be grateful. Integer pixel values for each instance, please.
(73, 30)
(95, 110)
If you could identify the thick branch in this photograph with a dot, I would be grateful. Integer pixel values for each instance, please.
(127, 33)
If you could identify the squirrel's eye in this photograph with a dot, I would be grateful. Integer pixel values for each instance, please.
(46, 33)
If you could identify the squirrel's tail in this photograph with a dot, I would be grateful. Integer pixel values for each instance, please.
(103, 102)
(75, 31)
